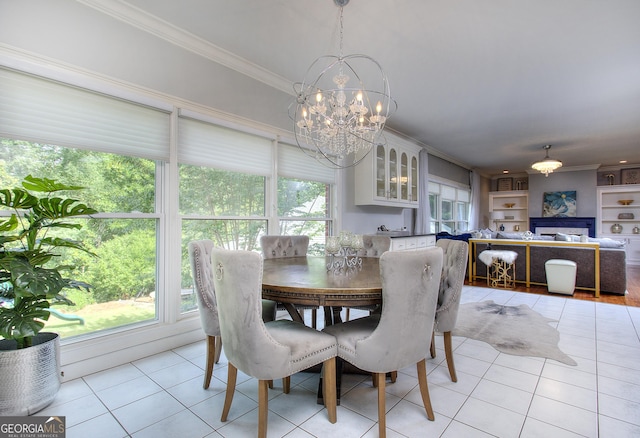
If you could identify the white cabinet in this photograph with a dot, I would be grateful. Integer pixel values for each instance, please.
(513, 206)
(412, 243)
(619, 217)
(388, 176)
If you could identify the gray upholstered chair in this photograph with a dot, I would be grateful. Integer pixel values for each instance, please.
(373, 246)
(454, 268)
(265, 351)
(399, 336)
(200, 258)
(276, 246)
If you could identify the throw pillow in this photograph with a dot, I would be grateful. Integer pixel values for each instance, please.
(561, 237)
(503, 235)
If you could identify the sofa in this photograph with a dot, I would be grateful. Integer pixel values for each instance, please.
(613, 276)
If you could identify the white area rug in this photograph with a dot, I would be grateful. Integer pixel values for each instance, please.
(516, 330)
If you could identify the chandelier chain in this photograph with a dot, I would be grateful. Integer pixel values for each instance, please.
(341, 33)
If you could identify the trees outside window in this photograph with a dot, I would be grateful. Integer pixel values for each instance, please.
(303, 208)
(123, 234)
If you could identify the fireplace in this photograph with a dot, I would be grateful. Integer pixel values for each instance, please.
(566, 225)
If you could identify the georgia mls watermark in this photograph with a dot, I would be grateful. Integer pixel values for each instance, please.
(32, 427)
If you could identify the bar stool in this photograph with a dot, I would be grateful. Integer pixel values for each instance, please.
(501, 268)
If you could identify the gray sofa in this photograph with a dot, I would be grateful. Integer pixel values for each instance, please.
(613, 276)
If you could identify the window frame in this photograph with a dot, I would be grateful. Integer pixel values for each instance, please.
(447, 191)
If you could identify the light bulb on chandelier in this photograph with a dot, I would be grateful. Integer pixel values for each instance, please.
(341, 107)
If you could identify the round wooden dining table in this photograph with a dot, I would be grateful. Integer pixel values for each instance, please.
(307, 281)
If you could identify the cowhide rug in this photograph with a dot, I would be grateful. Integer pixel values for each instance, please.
(514, 330)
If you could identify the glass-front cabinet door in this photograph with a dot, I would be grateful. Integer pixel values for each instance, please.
(414, 179)
(404, 177)
(393, 174)
(381, 171)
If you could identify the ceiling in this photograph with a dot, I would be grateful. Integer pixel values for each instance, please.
(486, 83)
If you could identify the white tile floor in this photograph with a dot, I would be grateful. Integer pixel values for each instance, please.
(496, 394)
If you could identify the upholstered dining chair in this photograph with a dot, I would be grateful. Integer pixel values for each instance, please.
(454, 268)
(398, 336)
(277, 246)
(373, 246)
(200, 259)
(264, 350)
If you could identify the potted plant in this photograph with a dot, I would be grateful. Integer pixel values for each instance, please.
(32, 279)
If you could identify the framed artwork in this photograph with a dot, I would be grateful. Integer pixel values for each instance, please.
(629, 176)
(505, 184)
(559, 204)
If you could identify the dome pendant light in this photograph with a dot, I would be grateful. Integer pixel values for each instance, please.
(547, 165)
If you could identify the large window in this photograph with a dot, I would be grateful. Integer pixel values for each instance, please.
(123, 234)
(222, 186)
(449, 208)
(303, 208)
(223, 206)
(304, 197)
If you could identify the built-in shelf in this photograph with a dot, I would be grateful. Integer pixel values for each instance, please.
(517, 216)
(609, 208)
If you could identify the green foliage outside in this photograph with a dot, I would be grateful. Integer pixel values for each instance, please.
(227, 207)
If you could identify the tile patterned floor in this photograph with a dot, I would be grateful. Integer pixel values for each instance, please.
(496, 394)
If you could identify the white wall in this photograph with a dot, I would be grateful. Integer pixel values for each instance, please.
(584, 182)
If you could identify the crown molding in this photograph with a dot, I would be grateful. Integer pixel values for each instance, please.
(153, 25)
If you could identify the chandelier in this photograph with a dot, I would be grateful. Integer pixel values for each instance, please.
(547, 165)
(341, 107)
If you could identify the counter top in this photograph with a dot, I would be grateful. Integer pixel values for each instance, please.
(398, 233)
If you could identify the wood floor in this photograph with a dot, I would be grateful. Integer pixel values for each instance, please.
(632, 298)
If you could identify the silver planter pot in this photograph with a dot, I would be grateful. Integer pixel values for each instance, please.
(29, 377)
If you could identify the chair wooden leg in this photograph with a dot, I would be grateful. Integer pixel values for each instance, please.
(348, 314)
(263, 408)
(424, 388)
(211, 351)
(216, 359)
(329, 390)
(286, 384)
(270, 384)
(432, 349)
(231, 387)
(382, 413)
(314, 317)
(448, 351)
(394, 376)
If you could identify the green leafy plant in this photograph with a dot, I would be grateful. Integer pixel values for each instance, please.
(31, 279)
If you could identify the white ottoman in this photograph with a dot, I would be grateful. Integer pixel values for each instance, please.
(561, 276)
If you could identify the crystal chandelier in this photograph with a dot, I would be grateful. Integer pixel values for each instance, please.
(341, 107)
(547, 165)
